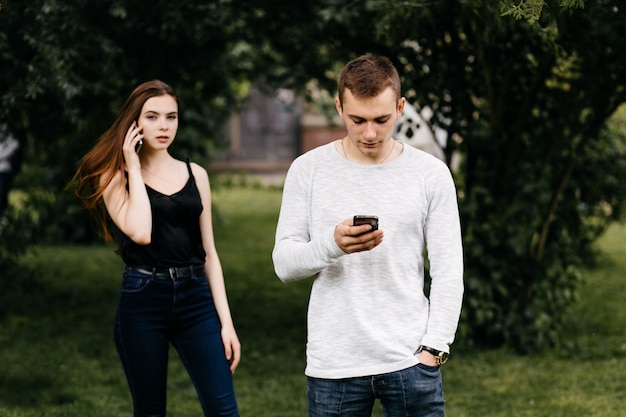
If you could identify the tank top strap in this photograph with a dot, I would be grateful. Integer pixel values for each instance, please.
(189, 167)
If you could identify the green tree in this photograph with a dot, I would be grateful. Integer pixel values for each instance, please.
(67, 65)
(525, 103)
(524, 89)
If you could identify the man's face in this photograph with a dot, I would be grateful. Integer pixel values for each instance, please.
(370, 122)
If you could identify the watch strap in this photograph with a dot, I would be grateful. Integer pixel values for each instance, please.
(440, 356)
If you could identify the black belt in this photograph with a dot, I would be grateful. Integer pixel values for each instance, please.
(172, 273)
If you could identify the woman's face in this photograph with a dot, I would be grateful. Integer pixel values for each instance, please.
(159, 122)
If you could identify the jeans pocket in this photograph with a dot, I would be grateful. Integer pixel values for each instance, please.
(201, 279)
(427, 369)
(132, 283)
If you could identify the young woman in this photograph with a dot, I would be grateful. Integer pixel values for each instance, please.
(172, 288)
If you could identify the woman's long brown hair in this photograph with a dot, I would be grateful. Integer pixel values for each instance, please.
(98, 167)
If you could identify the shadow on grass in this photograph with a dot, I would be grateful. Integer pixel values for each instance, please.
(55, 322)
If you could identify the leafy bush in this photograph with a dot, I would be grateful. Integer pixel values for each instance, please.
(16, 234)
(523, 254)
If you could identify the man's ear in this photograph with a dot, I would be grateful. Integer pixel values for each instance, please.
(401, 103)
(338, 106)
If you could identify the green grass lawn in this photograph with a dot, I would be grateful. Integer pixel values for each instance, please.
(57, 356)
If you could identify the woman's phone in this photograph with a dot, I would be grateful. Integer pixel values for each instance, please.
(140, 143)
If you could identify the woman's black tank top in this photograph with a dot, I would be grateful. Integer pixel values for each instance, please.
(176, 237)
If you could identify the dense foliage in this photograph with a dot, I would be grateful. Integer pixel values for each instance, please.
(524, 103)
(68, 65)
(523, 89)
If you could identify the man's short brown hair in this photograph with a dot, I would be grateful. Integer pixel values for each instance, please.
(367, 76)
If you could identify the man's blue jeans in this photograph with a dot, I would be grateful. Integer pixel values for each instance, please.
(154, 312)
(413, 392)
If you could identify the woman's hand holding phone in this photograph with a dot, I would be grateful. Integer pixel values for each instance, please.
(132, 144)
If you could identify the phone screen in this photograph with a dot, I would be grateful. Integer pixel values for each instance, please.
(361, 219)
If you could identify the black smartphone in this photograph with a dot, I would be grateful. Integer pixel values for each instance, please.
(361, 219)
(140, 143)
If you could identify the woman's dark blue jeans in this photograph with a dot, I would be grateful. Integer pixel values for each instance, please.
(155, 311)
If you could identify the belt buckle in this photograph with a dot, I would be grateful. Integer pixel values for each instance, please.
(173, 271)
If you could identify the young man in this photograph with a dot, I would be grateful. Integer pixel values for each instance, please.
(372, 332)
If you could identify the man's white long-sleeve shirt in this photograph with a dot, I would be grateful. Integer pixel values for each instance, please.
(367, 311)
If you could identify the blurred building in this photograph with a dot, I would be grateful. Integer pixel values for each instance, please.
(271, 131)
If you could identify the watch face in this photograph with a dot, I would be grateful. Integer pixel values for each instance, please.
(442, 358)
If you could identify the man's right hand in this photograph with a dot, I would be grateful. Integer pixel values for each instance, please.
(352, 239)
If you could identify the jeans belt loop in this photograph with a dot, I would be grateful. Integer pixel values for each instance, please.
(173, 273)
